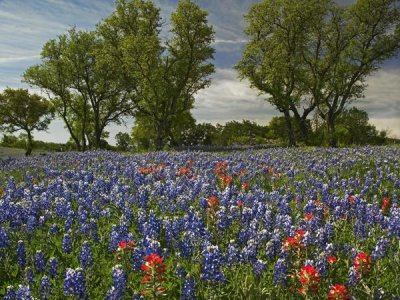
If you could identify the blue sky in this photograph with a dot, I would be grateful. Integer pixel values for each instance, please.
(25, 25)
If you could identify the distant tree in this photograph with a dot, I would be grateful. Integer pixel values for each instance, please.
(163, 77)
(20, 110)
(144, 134)
(277, 129)
(204, 134)
(84, 84)
(123, 140)
(53, 77)
(317, 54)
(358, 130)
(272, 60)
(349, 46)
(243, 133)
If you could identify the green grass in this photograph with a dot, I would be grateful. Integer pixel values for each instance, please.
(11, 152)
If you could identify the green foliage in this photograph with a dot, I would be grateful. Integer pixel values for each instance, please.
(317, 54)
(163, 79)
(123, 141)
(20, 142)
(83, 84)
(204, 134)
(20, 110)
(243, 133)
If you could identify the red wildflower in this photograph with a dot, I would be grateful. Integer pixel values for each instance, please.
(125, 245)
(338, 292)
(221, 168)
(154, 270)
(226, 180)
(183, 171)
(213, 204)
(294, 243)
(331, 259)
(240, 203)
(309, 277)
(385, 203)
(245, 186)
(154, 261)
(362, 262)
(291, 243)
(308, 217)
(299, 234)
(352, 199)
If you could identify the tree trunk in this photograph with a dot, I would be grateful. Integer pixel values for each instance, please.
(160, 136)
(71, 132)
(159, 142)
(97, 131)
(290, 132)
(83, 129)
(29, 146)
(331, 130)
(301, 121)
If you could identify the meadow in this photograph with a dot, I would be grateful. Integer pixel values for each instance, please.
(261, 224)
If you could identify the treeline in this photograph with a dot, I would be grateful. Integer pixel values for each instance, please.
(353, 128)
(309, 58)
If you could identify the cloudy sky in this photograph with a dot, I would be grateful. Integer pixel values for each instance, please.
(25, 25)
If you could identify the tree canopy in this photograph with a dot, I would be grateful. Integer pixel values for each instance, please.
(20, 110)
(315, 55)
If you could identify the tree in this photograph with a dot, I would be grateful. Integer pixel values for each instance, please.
(53, 77)
(204, 134)
(272, 60)
(83, 83)
(163, 78)
(20, 110)
(359, 130)
(349, 45)
(316, 54)
(123, 141)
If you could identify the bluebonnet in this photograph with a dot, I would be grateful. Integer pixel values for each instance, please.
(75, 283)
(4, 238)
(322, 264)
(67, 243)
(45, 287)
(189, 289)
(114, 239)
(119, 281)
(211, 265)
(280, 271)
(31, 224)
(381, 248)
(352, 276)
(259, 267)
(53, 267)
(40, 262)
(85, 256)
(54, 229)
(28, 275)
(10, 293)
(233, 255)
(23, 293)
(180, 271)
(21, 254)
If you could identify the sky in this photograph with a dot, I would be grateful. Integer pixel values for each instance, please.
(25, 25)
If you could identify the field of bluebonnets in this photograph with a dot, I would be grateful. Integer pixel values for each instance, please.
(269, 224)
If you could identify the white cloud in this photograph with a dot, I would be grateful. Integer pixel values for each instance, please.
(382, 96)
(228, 98)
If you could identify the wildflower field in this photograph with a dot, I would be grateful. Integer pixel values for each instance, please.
(266, 224)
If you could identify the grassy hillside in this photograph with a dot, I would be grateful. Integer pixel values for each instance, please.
(11, 152)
